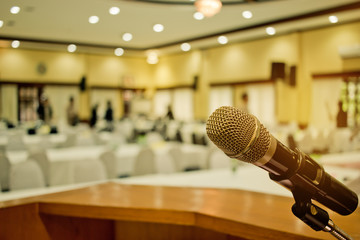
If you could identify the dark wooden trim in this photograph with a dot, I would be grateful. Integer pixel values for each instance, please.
(320, 76)
(98, 87)
(238, 83)
(176, 87)
(39, 84)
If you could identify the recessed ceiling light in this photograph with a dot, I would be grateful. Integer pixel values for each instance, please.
(185, 47)
(270, 31)
(198, 16)
(127, 37)
(93, 19)
(223, 40)
(15, 9)
(152, 58)
(114, 10)
(247, 14)
(119, 52)
(333, 19)
(158, 27)
(15, 44)
(71, 48)
(1, 23)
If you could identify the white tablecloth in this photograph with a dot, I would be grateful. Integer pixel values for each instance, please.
(193, 155)
(340, 158)
(62, 160)
(247, 177)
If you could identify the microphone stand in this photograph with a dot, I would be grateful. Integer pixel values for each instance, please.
(314, 216)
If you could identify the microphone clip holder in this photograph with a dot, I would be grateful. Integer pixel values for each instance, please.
(314, 216)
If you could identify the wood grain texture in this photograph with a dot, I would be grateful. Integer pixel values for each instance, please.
(183, 210)
(22, 222)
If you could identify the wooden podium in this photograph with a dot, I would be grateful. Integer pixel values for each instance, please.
(119, 211)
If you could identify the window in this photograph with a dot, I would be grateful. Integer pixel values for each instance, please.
(28, 102)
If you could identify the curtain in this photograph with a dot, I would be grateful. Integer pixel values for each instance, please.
(183, 104)
(325, 97)
(220, 96)
(262, 102)
(162, 99)
(9, 102)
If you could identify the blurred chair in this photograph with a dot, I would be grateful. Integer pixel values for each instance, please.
(15, 142)
(88, 171)
(108, 158)
(39, 155)
(340, 140)
(218, 159)
(25, 175)
(185, 160)
(172, 129)
(126, 128)
(4, 170)
(153, 138)
(306, 142)
(176, 154)
(144, 162)
(186, 131)
(71, 140)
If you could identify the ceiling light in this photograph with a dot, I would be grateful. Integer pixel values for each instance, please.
(247, 14)
(114, 10)
(127, 37)
(15, 44)
(198, 16)
(270, 31)
(158, 27)
(333, 19)
(208, 7)
(119, 52)
(93, 19)
(71, 48)
(15, 9)
(223, 40)
(1, 23)
(152, 58)
(185, 47)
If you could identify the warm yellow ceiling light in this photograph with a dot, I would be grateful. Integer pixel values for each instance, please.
(208, 7)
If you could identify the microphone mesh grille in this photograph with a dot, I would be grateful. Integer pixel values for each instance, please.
(232, 130)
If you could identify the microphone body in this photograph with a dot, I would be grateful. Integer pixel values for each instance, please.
(240, 135)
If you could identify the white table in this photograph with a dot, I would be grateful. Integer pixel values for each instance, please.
(247, 177)
(193, 155)
(62, 161)
(340, 158)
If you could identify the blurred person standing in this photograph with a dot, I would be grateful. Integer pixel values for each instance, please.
(109, 116)
(244, 102)
(71, 113)
(44, 110)
(93, 118)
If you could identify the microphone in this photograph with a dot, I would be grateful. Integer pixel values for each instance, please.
(240, 135)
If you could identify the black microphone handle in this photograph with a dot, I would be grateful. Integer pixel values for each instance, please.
(294, 169)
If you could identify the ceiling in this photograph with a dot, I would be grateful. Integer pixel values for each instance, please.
(52, 25)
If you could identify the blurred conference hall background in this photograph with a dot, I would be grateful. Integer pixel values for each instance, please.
(140, 117)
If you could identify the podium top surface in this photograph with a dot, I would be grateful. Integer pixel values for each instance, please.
(237, 212)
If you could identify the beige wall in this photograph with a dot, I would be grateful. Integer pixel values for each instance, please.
(21, 65)
(312, 52)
